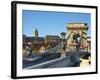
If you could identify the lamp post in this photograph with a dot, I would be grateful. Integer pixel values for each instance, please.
(63, 48)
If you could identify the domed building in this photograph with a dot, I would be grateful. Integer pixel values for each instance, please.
(35, 32)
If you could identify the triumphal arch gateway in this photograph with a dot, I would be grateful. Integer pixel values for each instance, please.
(76, 36)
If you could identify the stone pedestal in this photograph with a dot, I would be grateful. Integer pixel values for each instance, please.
(63, 54)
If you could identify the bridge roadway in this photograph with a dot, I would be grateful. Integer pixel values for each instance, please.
(68, 61)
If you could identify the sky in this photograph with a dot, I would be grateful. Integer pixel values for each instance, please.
(50, 22)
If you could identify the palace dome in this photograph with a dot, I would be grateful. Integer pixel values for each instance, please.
(35, 32)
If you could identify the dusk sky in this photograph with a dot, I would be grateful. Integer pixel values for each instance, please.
(51, 23)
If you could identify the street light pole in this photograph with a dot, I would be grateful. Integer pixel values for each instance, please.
(63, 34)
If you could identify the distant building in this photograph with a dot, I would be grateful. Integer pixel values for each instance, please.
(52, 40)
(36, 42)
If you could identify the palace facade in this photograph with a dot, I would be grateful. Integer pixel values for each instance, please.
(40, 44)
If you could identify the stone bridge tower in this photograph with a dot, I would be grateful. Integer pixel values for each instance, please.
(76, 36)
